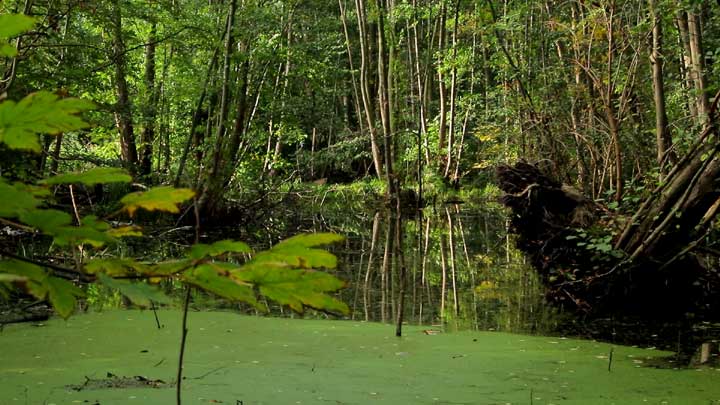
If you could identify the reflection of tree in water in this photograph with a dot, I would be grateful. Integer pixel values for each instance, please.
(459, 272)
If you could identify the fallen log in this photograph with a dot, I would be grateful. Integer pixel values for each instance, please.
(574, 244)
(654, 263)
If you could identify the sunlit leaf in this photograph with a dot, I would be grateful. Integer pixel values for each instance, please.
(62, 295)
(115, 267)
(298, 257)
(163, 198)
(12, 25)
(214, 278)
(124, 231)
(294, 288)
(139, 293)
(200, 250)
(7, 50)
(98, 175)
(298, 251)
(310, 240)
(39, 113)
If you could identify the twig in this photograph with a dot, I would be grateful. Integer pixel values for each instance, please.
(154, 309)
(186, 304)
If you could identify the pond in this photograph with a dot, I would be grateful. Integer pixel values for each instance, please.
(453, 266)
(450, 270)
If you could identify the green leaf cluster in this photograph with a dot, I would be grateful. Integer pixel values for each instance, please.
(12, 25)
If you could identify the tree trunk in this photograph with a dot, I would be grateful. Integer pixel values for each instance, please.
(364, 38)
(193, 133)
(385, 101)
(663, 140)
(123, 113)
(148, 135)
(697, 58)
(212, 191)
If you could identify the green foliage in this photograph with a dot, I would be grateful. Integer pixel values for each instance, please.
(39, 113)
(98, 175)
(12, 25)
(294, 288)
(16, 200)
(213, 277)
(140, 293)
(285, 273)
(35, 281)
(157, 199)
(201, 250)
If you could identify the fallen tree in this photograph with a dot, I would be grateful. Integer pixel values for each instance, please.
(653, 263)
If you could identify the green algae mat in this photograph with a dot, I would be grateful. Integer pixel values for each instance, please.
(121, 357)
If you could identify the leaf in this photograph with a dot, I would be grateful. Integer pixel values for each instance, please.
(12, 25)
(298, 257)
(200, 250)
(7, 50)
(141, 294)
(214, 278)
(35, 275)
(15, 200)
(62, 295)
(39, 113)
(124, 231)
(92, 232)
(47, 221)
(310, 240)
(294, 288)
(98, 175)
(116, 267)
(298, 251)
(168, 268)
(157, 199)
(12, 278)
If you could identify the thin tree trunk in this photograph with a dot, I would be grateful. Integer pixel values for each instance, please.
(698, 64)
(686, 63)
(123, 114)
(663, 139)
(148, 135)
(365, 86)
(453, 94)
(213, 187)
(385, 100)
(196, 117)
(356, 96)
(442, 129)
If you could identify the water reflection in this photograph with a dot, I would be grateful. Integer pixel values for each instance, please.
(450, 267)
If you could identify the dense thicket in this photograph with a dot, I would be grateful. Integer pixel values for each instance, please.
(218, 94)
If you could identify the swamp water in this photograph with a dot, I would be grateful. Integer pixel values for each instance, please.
(461, 279)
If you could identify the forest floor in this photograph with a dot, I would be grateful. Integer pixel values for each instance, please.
(121, 357)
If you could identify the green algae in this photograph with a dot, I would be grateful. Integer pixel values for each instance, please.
(232, 358)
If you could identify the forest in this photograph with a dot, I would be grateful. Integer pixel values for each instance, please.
(459, 170)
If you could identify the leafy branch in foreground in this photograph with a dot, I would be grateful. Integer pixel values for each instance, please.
(286, 273)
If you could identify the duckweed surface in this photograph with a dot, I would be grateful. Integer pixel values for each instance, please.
(233, 359)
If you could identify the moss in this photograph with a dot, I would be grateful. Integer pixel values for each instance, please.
(283, 361)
